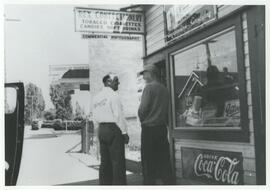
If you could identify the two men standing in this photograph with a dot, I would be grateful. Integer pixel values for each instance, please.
(112, 131)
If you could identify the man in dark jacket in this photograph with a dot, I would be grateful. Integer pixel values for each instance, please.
(153, 114)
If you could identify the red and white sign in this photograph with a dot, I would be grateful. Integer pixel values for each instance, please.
(213, 166)
(232, 108)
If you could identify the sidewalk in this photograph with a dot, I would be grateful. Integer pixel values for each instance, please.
(53, 158)
(45, 161)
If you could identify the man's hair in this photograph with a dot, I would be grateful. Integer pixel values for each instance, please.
(105, 79)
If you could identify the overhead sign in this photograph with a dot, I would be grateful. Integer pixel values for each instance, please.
(212, 166)
(108, 21)
(112, 37)
(181, 19)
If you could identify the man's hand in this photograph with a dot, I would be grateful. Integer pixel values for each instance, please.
(126, 138)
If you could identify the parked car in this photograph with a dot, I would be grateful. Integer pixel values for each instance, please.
(34, 124)
(47, 124)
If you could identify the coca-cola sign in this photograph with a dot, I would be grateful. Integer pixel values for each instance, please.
(232, 108)
(212, 166)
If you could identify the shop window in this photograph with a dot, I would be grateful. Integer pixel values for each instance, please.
(206, 86)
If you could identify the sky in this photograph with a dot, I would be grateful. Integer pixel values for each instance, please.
(37, 36)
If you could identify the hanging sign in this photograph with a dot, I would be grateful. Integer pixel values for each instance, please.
(112, 37)
(108, 21)
(212, 166)
(182, 19)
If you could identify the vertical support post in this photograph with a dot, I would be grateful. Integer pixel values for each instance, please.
(87, 137)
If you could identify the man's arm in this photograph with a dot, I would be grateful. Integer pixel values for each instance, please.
(145, 103)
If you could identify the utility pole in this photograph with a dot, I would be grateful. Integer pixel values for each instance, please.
(32, 108)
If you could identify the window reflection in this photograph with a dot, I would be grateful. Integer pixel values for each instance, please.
(10, 99)
(206, 84)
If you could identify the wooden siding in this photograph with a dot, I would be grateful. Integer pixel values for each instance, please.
(155, 23)
(223, 10)
(247, 149)
(154, 29)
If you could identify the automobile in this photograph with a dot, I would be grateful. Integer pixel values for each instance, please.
(14, 130)
(35, 125)
(47, 124)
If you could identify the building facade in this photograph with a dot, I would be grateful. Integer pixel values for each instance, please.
(212, 60)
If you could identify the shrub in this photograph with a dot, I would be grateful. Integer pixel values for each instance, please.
(58, 124)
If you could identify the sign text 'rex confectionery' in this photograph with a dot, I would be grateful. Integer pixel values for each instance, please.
(108, 21)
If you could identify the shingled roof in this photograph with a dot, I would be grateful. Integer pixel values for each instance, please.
(76, 73)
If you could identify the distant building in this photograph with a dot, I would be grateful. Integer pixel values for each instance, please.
(75, 79)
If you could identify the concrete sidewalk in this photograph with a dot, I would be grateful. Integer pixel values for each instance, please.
(53, 158)
(45, 161)
(132, 179)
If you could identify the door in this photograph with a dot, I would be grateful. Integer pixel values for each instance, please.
(14, 130)
(162, 72)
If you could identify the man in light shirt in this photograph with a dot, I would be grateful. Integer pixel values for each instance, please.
(112, 133)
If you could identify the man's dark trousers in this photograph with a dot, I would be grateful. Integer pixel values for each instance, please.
(155, 155)
(112, 169)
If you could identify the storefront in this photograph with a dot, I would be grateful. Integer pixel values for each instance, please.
(212, 60)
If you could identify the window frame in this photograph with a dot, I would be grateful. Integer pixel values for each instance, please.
(237, 134)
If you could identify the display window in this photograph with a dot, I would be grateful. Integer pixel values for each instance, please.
(207, 82)
(206, 87)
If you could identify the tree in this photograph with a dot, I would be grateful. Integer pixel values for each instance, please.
(49, 114)
(34, 102)
(61, 100)
(79, 112)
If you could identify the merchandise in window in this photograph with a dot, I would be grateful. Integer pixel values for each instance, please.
(206, 83)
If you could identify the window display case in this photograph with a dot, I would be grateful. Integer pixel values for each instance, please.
(208, 86)
(206, 83)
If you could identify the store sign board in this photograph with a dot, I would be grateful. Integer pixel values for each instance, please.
(108, 21)
(212, 166)
(182, 19)
(112, 37)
